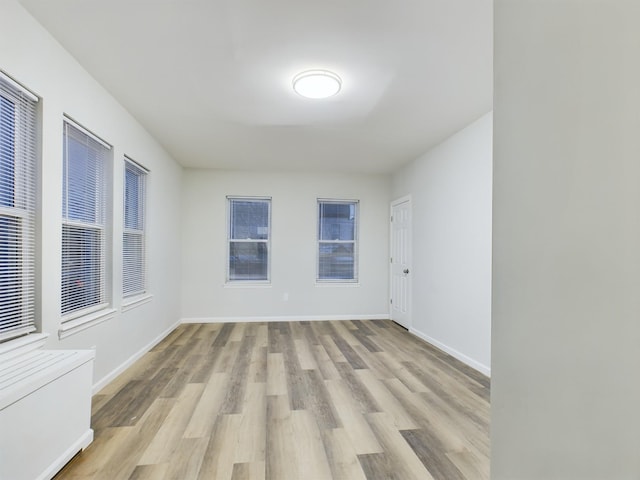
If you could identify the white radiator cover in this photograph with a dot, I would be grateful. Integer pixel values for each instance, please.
(45, 411)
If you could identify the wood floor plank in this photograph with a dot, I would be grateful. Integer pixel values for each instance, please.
(99, 400)
(403, 459)
(432, 457)
(365, 398)
(96, 459)
(341, 455)
(366, 340)
(348, 400)
(376, 364)
(238, 332)
(349, 353)
(294, 374)
(342, 330)
(253, 426)
(186, 460)
(241, 471)
(281, 447)
(318, 401)
(218, 457)
(400, 371)
(172, 430)
(331, 348)
(210, 358)
(309, 334)
(228, 357)
(132, 373)
(429, 417)
(258, 366)
(122, 461)
(451, 391)
(325, 364)
(305, 356)
(222, 337)
(377, 466)
(386, 400)
(273, 338)
(470, 465)
(355, 425)
(131, 402)
(312, 459)
(149, 472)
(248, 471)
(276, 374)
(363, 327)
(206, 410)
(233, 402)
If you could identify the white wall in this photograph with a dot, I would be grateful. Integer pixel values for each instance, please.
(566, 258)
(293, 257)
(450, 188)
(30, 55)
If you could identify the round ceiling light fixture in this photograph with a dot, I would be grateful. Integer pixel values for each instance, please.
(317, 84)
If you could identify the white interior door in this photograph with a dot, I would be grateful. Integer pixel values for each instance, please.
(401, 262)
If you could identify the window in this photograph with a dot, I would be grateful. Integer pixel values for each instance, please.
(17, 209)
(248, 234)
(337, 240)
(133, 242)
(84, 222)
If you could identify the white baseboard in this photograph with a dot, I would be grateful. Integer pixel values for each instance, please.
(285, 318)
(131, 360)
(454, 353)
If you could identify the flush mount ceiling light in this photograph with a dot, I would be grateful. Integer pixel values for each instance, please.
(317, 84)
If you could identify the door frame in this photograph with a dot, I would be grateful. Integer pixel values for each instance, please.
(398, 201)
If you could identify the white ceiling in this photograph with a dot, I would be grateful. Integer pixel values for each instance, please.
(211, 79)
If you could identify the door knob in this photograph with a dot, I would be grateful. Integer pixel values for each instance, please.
(405, 271)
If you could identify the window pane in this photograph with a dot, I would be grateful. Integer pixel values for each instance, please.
(249, 219)
(7, 152)
(83, 178)
(133, 218)
(10, 271)
(248, 261)
(336, 261)
(133, 257)
(81, 267)
(337, 221)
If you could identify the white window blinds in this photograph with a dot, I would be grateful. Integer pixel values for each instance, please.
(337, 240)
(133, 242)
(84, 221)
(249, 235)
(17, 209)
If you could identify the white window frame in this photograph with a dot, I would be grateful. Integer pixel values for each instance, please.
(267, 241)
(142, 173)
(356, 242)
(23, 211)
(80, 318)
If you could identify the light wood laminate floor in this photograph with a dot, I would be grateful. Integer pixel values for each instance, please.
(350, 400)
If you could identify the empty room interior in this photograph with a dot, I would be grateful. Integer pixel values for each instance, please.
(336, 240)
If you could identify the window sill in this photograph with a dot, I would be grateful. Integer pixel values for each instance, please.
(330, 283)
(247, 284)
(79, 324)
(131, 303)
(20, 345)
